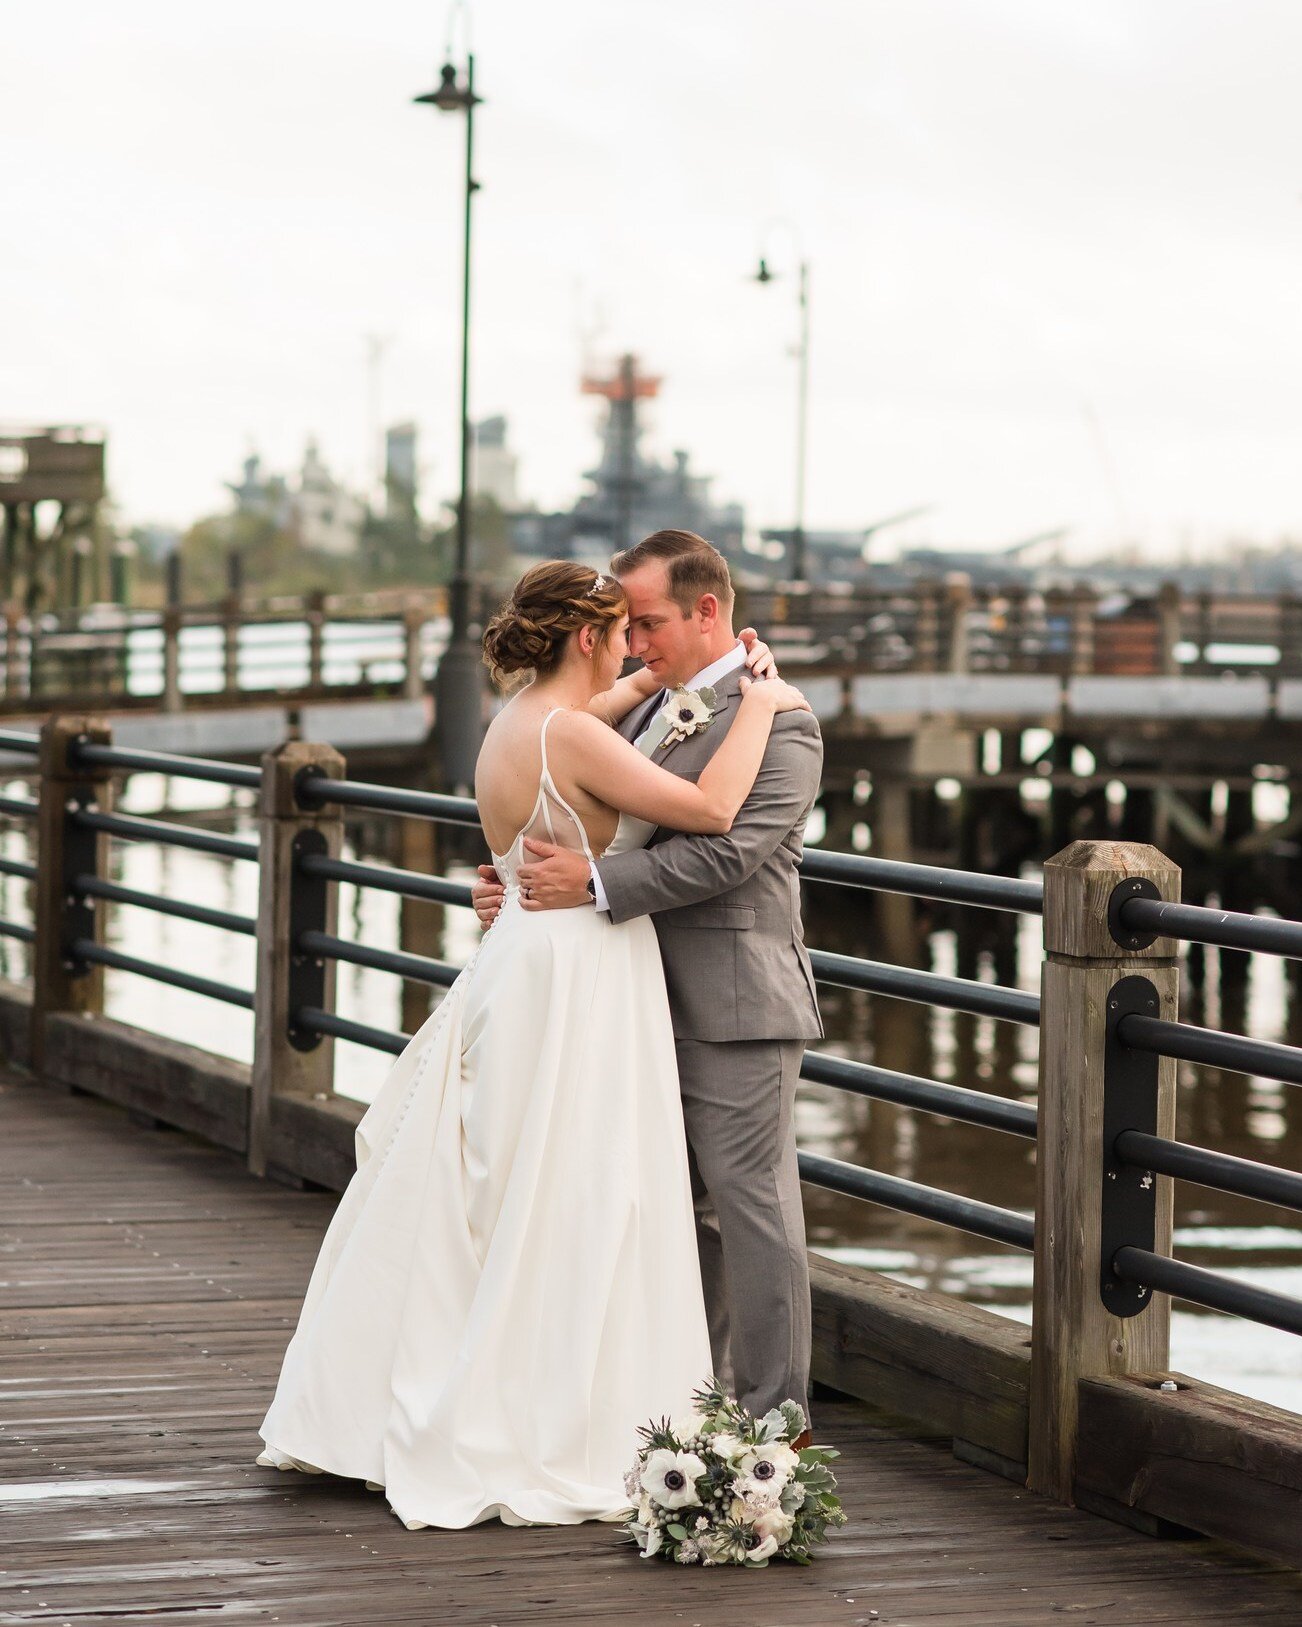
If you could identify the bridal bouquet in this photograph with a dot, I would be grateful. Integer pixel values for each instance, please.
(721, 1487)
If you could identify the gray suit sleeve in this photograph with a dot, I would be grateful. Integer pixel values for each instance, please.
(685, 869)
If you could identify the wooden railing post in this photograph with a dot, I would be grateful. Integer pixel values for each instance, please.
(958, 606)
(171, 658)
(926, 627)
(413, 622)
(287, 1061)
(1170, 602)
(14, 686)
(1074, 1335)
(1084, 603)
(316, 616)
(59, 981)
(230, 626)
(1015, 626)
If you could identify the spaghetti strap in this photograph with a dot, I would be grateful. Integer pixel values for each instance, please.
(542, 746)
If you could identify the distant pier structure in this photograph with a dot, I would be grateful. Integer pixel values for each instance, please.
(52, 553)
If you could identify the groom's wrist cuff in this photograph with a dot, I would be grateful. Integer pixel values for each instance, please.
(598, 891)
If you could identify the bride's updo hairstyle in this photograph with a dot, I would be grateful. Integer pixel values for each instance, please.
(550, 601)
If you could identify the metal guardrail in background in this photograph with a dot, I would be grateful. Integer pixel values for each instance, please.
(1134, 916)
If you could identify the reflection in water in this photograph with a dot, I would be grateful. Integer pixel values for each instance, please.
(1252, 1118)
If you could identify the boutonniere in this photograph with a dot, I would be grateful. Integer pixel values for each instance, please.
(687, 711)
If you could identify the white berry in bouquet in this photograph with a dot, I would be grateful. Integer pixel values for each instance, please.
(721, 1487)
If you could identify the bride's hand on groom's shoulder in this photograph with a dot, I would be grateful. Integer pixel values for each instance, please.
(760, 662)
(556, 878)
(777, 693)
(487, 894)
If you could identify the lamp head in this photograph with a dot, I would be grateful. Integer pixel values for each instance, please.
(764, 274)
(450, 97)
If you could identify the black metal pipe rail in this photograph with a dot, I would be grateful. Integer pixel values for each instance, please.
(19, 740)
(966, 1214)
(1209, 1288)
(1188, 1043)
(16, 929)
(135, 829)
(410, 883)
(923, 881)
(928, 1095)
(88, 886)
(17, 867)
(86, 949)
(314, 788)
(1220, 1171)
(416, 968)
(316, 1021)
(20, 807)
(1226, 929)
(928, 988)
(91, 754)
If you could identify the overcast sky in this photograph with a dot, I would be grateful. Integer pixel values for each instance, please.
(1056, 248)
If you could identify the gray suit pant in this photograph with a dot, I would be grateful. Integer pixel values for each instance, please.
(738, 1104)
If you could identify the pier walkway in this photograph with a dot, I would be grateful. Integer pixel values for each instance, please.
(150, 1284)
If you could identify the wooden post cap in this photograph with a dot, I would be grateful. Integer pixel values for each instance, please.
(280, 768)
(1079, 881)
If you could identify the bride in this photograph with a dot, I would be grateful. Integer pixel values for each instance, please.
(509, 1286)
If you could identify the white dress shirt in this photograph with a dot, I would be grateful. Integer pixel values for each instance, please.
(736, 657)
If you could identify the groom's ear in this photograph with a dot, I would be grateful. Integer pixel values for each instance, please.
(707, 611)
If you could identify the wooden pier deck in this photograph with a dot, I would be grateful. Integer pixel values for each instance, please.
(149, 1285)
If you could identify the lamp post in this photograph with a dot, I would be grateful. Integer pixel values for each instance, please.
(459, 683)
(765, 275)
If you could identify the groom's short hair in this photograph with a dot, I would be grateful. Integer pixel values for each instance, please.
(692, 566)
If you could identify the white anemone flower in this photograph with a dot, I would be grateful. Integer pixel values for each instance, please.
(768, 1466)
(766, 1550)
(670, 1478)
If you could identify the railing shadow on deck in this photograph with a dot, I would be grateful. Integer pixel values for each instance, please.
(1083, 1409)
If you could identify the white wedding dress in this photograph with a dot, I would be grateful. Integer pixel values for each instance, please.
(510, 1284)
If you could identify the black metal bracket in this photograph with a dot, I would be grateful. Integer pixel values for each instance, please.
(80, 852)
(309, 898)
(303, 794)
(1122, 893)
(1129, 1206)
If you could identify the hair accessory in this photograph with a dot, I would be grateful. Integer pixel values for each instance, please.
(598, 584)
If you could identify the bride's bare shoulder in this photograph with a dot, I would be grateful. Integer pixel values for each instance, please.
(578, 728)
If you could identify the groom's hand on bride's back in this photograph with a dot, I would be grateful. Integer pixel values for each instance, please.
(556, 878)
(487, 894)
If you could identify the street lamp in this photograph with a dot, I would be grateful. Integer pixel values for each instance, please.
(458, 683)
(765, 275)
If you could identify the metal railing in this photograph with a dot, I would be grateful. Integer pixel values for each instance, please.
(1122, 958)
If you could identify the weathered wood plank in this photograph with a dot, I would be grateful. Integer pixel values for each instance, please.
(179, 1084)
(932, 1540)
(1201, 1457)
(957, 1368)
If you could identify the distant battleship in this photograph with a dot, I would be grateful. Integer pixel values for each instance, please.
(632, 494)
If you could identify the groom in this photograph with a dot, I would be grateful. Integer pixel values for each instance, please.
(741, 992)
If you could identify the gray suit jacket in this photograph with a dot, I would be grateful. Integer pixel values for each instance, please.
(727, 908)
